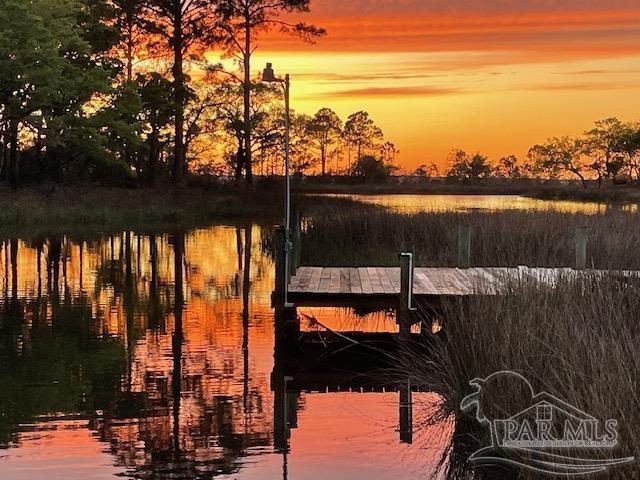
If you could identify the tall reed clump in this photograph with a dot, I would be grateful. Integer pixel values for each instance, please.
(506, 238)
(579, 341)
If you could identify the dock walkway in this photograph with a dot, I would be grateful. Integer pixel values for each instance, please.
(385, 281)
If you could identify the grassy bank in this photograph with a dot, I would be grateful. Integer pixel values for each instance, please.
(573, 191)
(578, 342)
(107, 207)
(509, 238)
(49, 210)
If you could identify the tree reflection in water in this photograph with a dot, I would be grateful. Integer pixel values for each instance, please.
(162, 342)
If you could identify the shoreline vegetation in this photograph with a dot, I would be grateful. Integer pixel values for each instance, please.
(251, 200)
(52, 207)
(93, 210)
(547, 190)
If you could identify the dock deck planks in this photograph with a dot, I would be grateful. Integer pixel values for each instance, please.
(385, 281)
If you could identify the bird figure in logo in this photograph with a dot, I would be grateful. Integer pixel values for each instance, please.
(499, 396)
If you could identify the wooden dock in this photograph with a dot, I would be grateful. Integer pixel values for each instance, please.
(397, 286)
(440, 282)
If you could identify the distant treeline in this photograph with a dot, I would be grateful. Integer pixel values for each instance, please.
(608, 151)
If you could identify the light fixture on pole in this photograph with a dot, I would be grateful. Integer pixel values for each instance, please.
(269, 76)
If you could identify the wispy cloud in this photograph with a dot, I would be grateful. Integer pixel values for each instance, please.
(377, 92)
(586, 86)
(346, 78)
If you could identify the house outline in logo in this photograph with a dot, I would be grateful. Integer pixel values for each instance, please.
(536, 438)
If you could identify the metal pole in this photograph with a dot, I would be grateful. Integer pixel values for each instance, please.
(287, 218)
(287, 199)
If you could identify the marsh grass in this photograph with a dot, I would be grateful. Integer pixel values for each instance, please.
(374, 236)
(105, 208)
(579, 341)
(48, 210)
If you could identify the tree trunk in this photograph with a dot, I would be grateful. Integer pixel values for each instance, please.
(4, 153)
(323, 159)
(240, 157)
(129, 59)
(54, 167)
(13, 153)
(246, 92)
(179, 96)
(130, 21)
(153, 155)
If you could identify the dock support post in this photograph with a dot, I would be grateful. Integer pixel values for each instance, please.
(296, 240)
(406, 292)
(464, 246)
(282, 274)
(406, 413)
(581, 248)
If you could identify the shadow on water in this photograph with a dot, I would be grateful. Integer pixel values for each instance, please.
(154, 356)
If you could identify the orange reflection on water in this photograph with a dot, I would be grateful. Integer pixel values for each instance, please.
(164, 346)
(464, 203)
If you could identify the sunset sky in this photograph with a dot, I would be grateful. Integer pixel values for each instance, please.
(491, 76)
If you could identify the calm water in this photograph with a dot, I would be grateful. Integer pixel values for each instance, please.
(461, 203)
(152, 356)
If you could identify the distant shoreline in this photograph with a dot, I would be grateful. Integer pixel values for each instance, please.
(606, 194)
(79, 208)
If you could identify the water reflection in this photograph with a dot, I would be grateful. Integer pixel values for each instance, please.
(152, 356)
(465, 203)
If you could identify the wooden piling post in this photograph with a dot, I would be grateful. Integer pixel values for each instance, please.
(296, 240)
(464, 246)
(581, 248)
(282, 276)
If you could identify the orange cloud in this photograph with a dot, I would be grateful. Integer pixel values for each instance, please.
(554, 33)
(376, 92)
(573, 87)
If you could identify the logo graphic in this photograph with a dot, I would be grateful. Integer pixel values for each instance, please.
(538, 431)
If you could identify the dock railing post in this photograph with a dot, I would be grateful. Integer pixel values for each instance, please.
(296, 240)
(406, 291)
(581, 248)
(464, 246)
(406, 279)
